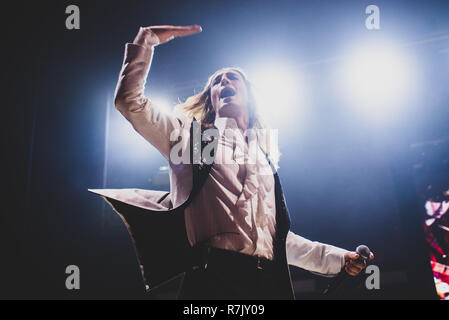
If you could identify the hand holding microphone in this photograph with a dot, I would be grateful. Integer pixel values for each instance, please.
(354, 263)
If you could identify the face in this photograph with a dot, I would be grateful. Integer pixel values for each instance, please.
(229, 94)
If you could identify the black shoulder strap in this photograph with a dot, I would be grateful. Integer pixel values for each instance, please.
(282, 215)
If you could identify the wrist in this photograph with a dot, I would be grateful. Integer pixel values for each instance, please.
(146, 38)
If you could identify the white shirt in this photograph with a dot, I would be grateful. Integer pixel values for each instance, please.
(239, 197)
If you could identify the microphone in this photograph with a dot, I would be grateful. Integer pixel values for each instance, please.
(364, 254)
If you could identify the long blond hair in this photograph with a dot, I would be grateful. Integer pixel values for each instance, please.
(199, 106)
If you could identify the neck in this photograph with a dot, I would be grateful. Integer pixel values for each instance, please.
(242, 123)
(242, 120)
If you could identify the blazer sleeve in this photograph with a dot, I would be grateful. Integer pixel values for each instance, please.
(314, 256)
(146, 118)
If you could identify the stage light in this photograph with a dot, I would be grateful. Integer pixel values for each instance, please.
(278, 92)
(125, 138)
(162, 104)
(378, 81)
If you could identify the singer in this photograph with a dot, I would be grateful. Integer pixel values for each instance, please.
(236, 218)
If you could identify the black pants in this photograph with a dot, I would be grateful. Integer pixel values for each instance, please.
(222, 275)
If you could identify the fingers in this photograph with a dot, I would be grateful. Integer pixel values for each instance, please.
(187, 31)
(176, 28)
(352, 271)
(354, 268)
(351, 256)
(167, 33)
(176, 31)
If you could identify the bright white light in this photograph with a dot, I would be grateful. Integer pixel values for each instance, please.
(377, 81)
(126, 143)
(278, 92)
(162, 104)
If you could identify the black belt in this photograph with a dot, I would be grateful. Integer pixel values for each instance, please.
(205, 256)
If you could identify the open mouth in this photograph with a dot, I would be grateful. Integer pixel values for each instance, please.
(227, 92)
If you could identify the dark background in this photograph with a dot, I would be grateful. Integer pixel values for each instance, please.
(345, 182)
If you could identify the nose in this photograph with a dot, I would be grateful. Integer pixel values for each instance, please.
(224, 80)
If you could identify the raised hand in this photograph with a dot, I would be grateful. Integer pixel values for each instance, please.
(145, 37)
